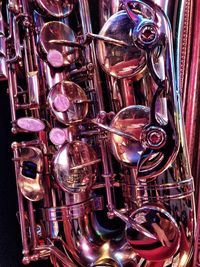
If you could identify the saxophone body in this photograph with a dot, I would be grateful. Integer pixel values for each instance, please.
(102, 170)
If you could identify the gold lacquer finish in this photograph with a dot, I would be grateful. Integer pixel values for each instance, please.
(103, 178)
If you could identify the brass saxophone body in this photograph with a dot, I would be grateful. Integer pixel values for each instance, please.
(102, 171)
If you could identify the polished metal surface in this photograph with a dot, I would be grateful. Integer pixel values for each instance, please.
(103, 178)
(56, 8)
(68, 102)
(57, 55)
(118, 61)
(30, 173)
(74, 167)
(130, 120)
(163, 224)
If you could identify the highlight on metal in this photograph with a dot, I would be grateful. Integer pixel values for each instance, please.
(102, 169)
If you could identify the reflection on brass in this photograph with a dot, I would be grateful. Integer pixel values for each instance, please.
(103, 178)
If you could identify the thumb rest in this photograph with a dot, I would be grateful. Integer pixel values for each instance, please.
(103, 178)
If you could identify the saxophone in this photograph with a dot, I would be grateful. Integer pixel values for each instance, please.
(102, 169)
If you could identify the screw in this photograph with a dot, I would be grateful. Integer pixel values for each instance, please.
(148, 34)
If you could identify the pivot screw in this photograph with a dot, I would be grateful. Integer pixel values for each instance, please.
(148, 34)
(154, 137)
